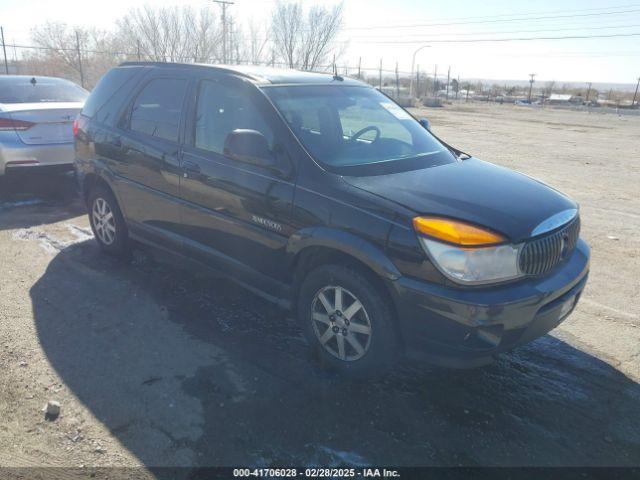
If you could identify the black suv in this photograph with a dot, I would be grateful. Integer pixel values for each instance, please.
(321, 194)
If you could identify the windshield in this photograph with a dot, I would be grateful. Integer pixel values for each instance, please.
(343, 126)
(39, 90)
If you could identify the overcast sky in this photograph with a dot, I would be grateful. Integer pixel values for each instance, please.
(394, 29)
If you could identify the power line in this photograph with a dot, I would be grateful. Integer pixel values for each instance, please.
(539, 12)
(484, 40)
(415, 25)
(505, 31)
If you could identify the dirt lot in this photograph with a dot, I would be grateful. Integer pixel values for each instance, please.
(156, 365)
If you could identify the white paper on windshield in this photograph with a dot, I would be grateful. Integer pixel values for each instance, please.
(396, 111)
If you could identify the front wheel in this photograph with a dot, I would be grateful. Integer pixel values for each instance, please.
(348, 319)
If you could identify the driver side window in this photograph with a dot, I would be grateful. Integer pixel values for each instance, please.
(220, 109)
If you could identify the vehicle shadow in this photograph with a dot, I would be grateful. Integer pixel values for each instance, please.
(189, 370)
(49, 199)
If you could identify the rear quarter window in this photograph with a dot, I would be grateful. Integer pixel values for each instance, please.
(106, 98)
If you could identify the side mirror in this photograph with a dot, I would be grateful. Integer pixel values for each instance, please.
(249, 146)
(425, 124)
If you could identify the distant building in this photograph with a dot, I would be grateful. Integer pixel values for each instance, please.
(564, 99)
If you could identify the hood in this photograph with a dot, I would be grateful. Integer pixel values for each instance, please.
(479, 192)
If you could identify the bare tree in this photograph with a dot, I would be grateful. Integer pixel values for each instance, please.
(174, 34)
(305, 41)
(58, 52)
(300, 37)
(286, 27)
(206, 35)
(60, 43)
(322, 26)
(548, 88)
(258, 39)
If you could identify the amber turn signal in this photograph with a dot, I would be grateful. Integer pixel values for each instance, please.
(454, 231)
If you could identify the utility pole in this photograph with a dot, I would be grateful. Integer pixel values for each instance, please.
(4, 49)
(589, 92)
(79, 59)
(448, 76)
(224, 4)
(380, 76)
(359, 65)
(435, 82)
(531, 80)
(458, 87)
(417, 92)
(634, 95)
(230, 45)
(397, 82)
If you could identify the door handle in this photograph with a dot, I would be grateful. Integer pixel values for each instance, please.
(190, 167)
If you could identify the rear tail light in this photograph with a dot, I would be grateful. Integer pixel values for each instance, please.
(11, 124)
(79, 123)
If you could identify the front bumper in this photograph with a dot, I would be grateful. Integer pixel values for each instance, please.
(466, 327)
(17, 156)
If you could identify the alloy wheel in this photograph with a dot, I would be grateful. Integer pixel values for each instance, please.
(341, 323)
(104, 222)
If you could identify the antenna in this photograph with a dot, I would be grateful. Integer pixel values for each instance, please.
(335, 70)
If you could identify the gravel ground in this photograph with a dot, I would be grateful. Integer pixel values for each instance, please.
(156, 364)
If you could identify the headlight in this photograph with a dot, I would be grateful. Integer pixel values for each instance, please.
(471, 255)
(474, 265)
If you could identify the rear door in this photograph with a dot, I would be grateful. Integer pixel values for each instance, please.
(147, 156)
(235, 214)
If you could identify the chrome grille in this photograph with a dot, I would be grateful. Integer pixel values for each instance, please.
(543, 254)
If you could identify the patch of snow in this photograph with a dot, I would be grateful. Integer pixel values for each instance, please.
(50, 243)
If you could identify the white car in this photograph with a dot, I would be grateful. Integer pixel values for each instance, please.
(36, 123)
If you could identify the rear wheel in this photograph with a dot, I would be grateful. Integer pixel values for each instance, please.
(348, 319)
(107, 222)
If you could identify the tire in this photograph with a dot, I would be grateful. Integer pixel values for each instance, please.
(107, 222)
(367, 332)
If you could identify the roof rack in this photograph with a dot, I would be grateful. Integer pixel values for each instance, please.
(191, 65)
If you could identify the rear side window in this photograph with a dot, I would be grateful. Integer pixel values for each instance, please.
(100, 98)
(222, 109)
(39, 90)
(157, 108)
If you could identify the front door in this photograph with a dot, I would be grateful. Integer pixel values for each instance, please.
(235, 215)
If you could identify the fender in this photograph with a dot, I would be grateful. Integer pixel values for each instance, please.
(344, 242)
(100, 169)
